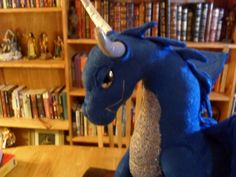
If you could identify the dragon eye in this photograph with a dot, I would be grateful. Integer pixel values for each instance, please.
(108, 80)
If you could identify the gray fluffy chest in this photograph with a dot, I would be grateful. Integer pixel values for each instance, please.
(146, 140)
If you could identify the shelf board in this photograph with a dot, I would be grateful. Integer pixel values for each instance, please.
(43, 123)
(82, 41)
(31, 10)
(77, 92)
(94, 139)
(198, 45)
(214, 96)
(210, 45)
(35, 63)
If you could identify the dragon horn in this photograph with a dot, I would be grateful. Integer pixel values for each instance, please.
(95, 16)
(109, 48)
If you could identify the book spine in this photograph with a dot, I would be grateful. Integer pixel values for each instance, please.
(1, 106)
(219, 25)
(197, 20)
(136, 15)
(148, 16)
(34, 109)
(155, 17)
(214, 22)
(141, 13)
(117, 18)
(46, 104)
(4, 108)
(40, 106)
(87, 26)
(190, 25)
(167, 18)
(130, 14)
(203, 23)
(173, 21)
(112, 14)
(208, 24)
(184, 24)
(123, 20)
(179, 22)
(106, 10)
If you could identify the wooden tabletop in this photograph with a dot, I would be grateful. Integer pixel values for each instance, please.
(62, 161)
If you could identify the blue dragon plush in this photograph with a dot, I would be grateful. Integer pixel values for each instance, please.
(171, 138)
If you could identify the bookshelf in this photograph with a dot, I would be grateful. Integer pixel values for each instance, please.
(33, 73)
(221, 100)
(40, 73)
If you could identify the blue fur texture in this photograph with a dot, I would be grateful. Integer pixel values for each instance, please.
(181, 78)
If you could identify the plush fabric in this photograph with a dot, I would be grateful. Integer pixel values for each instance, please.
(181, 79)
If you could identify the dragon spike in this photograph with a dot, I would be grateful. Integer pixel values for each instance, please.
(95, 16)
(109, 48)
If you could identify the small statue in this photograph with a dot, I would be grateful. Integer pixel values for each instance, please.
(43, 43)
(73, 23)
(7, 138)
(10, 48)
(58, 47)
(31, 46)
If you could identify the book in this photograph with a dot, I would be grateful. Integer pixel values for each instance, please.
(197, 20)
(203, 22)
(233, 112)
(208, 23)
(98, 172)
(184, 24)
(223, 78)
(173, 21)
(162, 19)
(179, 21)
(214, 21)
(7, 164)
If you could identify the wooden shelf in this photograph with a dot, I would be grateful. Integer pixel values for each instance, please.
(44, 123)
(94, 139)
(77, 92)
(210, 45)
(214, 96)
(36, 63)
(197, 45)
(82, 41)
(32, 10)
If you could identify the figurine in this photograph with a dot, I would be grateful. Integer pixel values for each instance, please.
(73, 23)
(58, 48)
(10, 48)
(31, 46)
(7, 138)
(43, 43)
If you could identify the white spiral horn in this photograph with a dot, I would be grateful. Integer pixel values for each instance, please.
(95, 16)
(109, 48)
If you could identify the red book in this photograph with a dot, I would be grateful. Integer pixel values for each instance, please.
(7, 164)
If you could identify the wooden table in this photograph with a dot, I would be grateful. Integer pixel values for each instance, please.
(62, 161)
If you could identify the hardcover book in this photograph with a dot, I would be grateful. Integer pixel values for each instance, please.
(7, 164)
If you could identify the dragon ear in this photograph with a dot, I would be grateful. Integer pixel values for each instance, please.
(140, 31)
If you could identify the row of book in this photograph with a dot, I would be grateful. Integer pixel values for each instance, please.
(19, 101)
(77, 65)
(83, 127)
(198, 22)
(29, 3)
